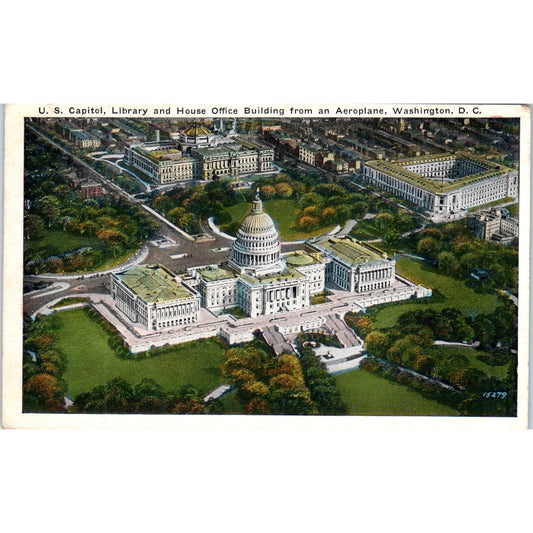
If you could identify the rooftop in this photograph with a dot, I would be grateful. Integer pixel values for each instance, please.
(288, 275)
(153, 283)
(215, 273)
(347, 249)
(396, 168)
(299, 259)
(197, 131)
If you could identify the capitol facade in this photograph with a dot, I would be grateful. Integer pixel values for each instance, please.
(257, 278)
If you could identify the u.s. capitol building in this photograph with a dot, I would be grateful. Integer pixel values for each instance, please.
(257, 277)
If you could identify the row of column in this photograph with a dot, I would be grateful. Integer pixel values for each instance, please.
(177, 310)
(376, 274)
(275, 295)
(254, 260)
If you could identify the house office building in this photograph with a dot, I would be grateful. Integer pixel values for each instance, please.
(444, 185)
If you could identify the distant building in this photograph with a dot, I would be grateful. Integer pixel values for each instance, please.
(90, 189)
(493, 225)
(198, 154)
(309, 154)
(77, 136)
(83, 139)
(339, 166)
(444, 185)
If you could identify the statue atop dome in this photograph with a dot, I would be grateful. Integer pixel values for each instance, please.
(257, 204)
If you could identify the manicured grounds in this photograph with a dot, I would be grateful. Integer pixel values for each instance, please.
(56, 241)
(91, 362)
(452, 293)
(366, 393)
(471, 355)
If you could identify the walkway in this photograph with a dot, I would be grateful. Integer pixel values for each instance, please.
(218, 392)
(55, 287)
(167, 222)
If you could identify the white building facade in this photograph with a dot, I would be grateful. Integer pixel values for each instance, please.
(198, 154)
(444, 185)
(151, 297)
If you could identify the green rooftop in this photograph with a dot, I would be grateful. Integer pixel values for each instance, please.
(298, 259)
(347, 249)
(396, 169)
(215, 273)
(153, 283)
(288, 275)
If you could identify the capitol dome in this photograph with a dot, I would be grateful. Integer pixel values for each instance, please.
(257, 248)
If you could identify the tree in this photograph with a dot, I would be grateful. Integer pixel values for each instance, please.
(377, 343)
(49, 207)
(310, 198)
(328, 215)
(307, 223)
(148, 387)
(47, 389)
(34, 227)
(428, 247)
(448, 262)
(392, 237)
(383, 221)
(284, 190)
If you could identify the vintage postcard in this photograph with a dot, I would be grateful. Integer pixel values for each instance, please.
(346, 265)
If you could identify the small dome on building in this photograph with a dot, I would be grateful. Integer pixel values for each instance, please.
(197, 131)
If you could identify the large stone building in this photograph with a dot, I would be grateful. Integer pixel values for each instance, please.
(352, 265)
(153, 298)
(444, 185)
(199, 154)
(257, 278)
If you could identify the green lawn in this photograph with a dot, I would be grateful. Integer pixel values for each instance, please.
(91, 362)
(366, 230)
(451, 293)
(366, 393)
(284, 213)
(56, 241)
(471, 354)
